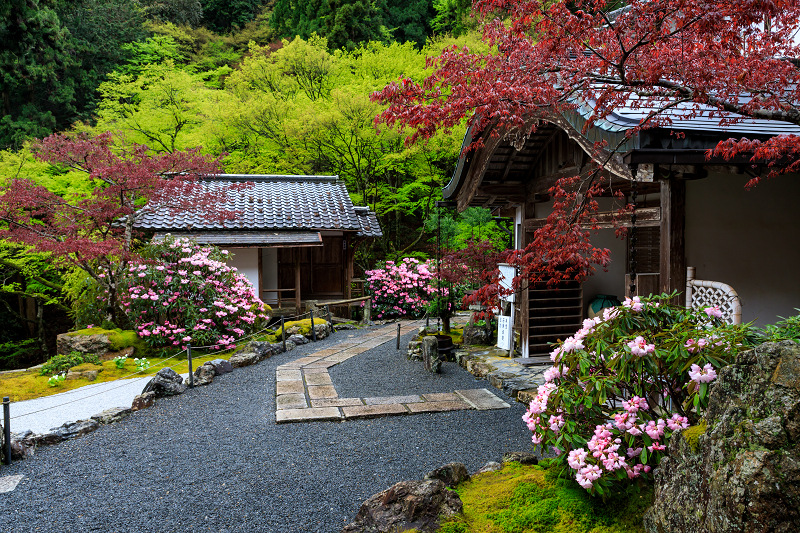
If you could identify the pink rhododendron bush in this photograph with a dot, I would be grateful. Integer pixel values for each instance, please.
(402, 289)
(624, 383)
(182, 293)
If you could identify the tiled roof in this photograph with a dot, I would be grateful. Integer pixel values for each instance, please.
(275, 239)
(269, 203)
(369, 223)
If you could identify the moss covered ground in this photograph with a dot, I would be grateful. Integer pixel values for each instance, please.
(533, 499)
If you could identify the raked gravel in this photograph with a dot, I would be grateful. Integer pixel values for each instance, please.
(213, 459)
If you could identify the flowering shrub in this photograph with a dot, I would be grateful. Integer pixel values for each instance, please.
(187, 294)
(624, 383)
(402, 289)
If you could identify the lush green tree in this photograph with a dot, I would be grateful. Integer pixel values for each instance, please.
(37, 97)
(409, 20)
(183, 12)
(452, 16)
(223, 15)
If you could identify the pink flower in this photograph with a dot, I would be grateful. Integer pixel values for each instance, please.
(707, 374)
(577, 458)
(656, 447)
(714, 311)
(654, 429)
(635, 304)
(694, 346)
(677, 422)
(635, 404)
(639, 347)
(633, 452)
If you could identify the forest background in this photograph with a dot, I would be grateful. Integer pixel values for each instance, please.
(278, 87)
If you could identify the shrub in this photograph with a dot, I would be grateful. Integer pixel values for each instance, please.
(183, 293)
(785, 329)
(402, 289)
(62, 363)
(623, 383)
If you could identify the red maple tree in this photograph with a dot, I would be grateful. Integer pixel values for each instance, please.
(95, 231)
(673, 59)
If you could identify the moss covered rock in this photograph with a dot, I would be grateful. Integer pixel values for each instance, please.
(741, 472)
(98, 341)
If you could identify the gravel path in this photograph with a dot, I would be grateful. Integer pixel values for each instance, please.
(213, 459)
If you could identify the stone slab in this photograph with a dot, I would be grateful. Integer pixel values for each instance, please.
(320, 370)
(289, 375)
(320, 364)
(442, 397)
(482, 399)
(308, 415)
(289, 387)
(9, 483)
(318, 378)
(438, 407)
(336, 402)
(317, 392)
(386, 400)
(373, 411)
(291, 401)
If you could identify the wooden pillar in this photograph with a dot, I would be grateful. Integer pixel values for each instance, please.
(296, 252)
(672, 273)
(260, 288)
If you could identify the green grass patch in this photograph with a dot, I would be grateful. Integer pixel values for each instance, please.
(533, 499)
(28, 385)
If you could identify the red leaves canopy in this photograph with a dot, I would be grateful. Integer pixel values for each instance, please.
(98, 225)
(735, 56)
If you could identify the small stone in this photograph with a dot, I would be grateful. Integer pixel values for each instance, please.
(491, 466)
(71, 430)
(143, 401)
(241, 359)
(221, 366)
(297, 339)
(90, 375)
(524, 458)
(450, 474)
(204, 374)
(111, 415)
(166, 382)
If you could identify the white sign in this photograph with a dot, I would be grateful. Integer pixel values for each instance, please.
(507, 273)
(504, 332)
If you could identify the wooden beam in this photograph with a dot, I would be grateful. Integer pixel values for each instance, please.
(672, 235)
(260, 252)
(646, 217)
(297, 280)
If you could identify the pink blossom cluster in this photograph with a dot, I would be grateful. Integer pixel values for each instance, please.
(706, 374)
(190, 296)
(402, 289)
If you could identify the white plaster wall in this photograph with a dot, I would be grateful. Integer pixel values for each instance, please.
(269, 263)
(245, 260)
(747, 239)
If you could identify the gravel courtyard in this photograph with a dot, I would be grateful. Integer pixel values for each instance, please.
(213, 459)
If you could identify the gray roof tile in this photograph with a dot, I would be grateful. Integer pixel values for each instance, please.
(271, 203)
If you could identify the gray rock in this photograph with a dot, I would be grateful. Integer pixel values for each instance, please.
(343, 327)
(94, 344)
(740, 472)
(109, 416)
(241, 359)
(477, 335)
(407, 505)
(491, 466)
(297, 339)
(290, 346)
(414, 351)
(221, 366)
(143, 401)
(23, 445)
(322, 330)
(71, 430)
(277, 348)
(524, 458)
(430, 354)
(450, 474)
(262, 349)
(166, 382)
(204, 374)
(90, 375)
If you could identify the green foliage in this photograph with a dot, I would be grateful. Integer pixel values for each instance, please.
(224, 15)
(119, 339)
(14, 352)
(63, 362)
(457, 229)
(784, 329)
(183, 12)
(452, 16)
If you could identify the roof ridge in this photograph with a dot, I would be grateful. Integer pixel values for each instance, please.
(270, 177)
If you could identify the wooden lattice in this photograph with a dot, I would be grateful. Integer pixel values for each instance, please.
(703, 293)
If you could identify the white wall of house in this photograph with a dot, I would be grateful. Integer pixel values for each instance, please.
(269, 264)
(245, 260)
(747, 239)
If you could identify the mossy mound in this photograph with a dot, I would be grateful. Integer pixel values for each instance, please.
(119, 339)
(533, 499)
(692, 434)
(304, 325)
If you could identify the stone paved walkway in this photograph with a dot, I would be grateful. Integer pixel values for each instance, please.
(305, 392)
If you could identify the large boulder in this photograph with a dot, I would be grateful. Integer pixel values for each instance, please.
(143, 401)
(407, 505)
(740, 470)
(204, 374)
(166, 382)
(92, 344)
(221, 366)
(450, 474)
(476, 335)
